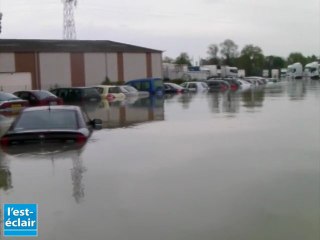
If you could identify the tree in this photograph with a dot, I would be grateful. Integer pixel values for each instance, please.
(229, 51)
(296, 57)
(312, 58)
(167, 60)
(252, 60)
(182, 59)
(213, 51)
(274, 62)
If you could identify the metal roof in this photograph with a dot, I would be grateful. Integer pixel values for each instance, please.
(41, 45)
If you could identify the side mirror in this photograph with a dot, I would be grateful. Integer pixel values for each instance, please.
(96, 124)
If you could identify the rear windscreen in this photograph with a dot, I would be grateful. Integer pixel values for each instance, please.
(47, 119)
(43, 94)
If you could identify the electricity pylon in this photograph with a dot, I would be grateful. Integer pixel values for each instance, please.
(69, 28)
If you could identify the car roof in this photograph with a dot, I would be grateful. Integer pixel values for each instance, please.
(34, 90)
(105, 86)
(58, 107)
(194, 82)
(72, 88)
(143, 79)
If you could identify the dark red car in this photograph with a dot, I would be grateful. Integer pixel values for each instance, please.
(39, 97)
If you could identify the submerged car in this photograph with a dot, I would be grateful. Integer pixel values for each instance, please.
(130, 91)
(39, 97)
(173, 88)
(10, 103)
(110, 92)
(234, 84)
(152, 85)
(78, 95)
(244, 85)
(50, 124)
(195, 86)
(218, 85)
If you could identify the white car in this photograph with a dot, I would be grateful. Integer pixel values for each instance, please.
(110, 92)
(130, 91)
(244, 85)
(195, 86)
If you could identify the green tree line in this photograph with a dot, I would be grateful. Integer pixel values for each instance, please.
(250, 58)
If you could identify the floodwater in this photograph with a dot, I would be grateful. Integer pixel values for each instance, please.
(242, 165)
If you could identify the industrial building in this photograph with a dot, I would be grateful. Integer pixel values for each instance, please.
(66, 63)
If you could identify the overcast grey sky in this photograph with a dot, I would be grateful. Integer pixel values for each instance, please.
(174, 26)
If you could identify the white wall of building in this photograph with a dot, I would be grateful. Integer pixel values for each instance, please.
(156, 61)
(112, 67)
(7, 62)
(55, 70)
(134, 65)
(11, 82)
(95, 68)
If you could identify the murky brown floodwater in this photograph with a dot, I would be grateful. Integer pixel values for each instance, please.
(202, 166)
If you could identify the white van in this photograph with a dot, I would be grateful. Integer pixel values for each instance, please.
(295, 71)
(311, 70)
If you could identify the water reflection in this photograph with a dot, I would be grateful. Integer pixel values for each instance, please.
(52, 153)
(5, 122)
(194, 176)
(221, 102)
(5, 174)
(129, 112)
(297, 89)
(253, 98)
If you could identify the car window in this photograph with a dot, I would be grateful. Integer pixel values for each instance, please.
(90, 92)
(43, 94)
(130, 89)
(114, 90)
(24, 95)
(60, 92)
(167, 87)
(192, 85)
(158, 83)
(7, 96)
(99, 90)
(137, 85)
(47, 119)
(145, 86)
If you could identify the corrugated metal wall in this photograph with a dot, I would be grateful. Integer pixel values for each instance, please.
(49, 70)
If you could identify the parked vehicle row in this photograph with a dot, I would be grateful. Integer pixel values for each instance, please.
(217, 84)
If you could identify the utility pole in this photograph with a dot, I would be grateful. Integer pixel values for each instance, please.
(69, 28)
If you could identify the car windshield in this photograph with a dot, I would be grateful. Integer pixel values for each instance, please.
(99, 90)
(43, 94)
(47, 119)
(130, 89)
(90, 91)
(204, 85)
(8, 96)
(158, 83)
(176, 86)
